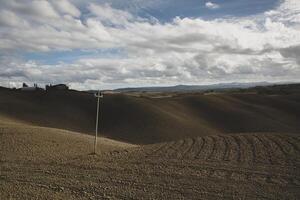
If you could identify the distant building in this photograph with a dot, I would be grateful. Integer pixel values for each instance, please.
(28, 88)
(57, 87)
(25, 87)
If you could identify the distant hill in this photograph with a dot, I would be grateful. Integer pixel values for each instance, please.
(195, 88)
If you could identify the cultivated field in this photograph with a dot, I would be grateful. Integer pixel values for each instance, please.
(217, 162)
(51, 163)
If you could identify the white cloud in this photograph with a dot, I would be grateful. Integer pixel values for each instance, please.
(65, 7)
(211, 5)
(47, 29)
(106, 13)
(41, 8)
(186, 50)
(8, 18)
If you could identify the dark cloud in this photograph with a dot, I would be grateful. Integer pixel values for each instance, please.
(292, 52)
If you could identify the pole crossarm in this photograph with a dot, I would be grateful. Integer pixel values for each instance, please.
(99, 94)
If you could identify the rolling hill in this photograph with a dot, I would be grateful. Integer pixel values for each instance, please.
(150, 119)
(228, 145)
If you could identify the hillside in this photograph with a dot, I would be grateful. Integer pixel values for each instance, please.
(205, 146)
(46, 163)
(39, 144)
(149, 119)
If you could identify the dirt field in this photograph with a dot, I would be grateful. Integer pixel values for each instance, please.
(187, 146)
(43, 163)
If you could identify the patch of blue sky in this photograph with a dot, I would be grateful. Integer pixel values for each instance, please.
(56, 57)
(167, 10)
(196, 9)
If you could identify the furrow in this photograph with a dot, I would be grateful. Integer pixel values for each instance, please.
(226, 150)
(265, 149)
(191, 143)
(161, 151)
(211, 151)
(279, 153)
(248, 149)
(238, 148)
(232, 149)
(200, 142)
(174, 149)
(291, 147)
(206, 149)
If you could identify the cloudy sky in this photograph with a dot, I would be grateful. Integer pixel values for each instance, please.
(125, 43)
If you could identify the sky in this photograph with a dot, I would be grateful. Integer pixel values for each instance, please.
(107, 44)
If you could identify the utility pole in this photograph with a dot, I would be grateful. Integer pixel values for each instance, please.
(98, 95)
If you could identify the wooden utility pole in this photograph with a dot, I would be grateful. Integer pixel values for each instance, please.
(98, 95)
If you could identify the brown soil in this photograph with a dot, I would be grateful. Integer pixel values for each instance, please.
(191, 146)
(45, 163)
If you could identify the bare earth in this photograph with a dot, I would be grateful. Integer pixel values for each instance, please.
(45, 163)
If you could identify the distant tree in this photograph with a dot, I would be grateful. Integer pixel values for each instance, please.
(25, 85)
